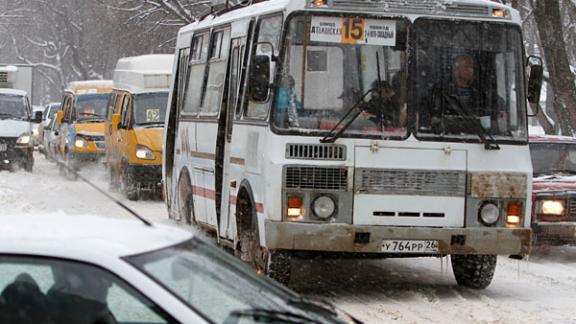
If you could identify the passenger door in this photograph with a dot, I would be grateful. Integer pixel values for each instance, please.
(123, 141)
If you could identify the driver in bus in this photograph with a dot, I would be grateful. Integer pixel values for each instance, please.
(459, 99)
(383, 108)
(287, 103)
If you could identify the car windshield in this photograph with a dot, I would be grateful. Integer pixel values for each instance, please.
(329, 69)
(469, 80)
(150, 108)
(216, 284)
(13, 106)
(91, 106)
(52, 110)
(553, 158)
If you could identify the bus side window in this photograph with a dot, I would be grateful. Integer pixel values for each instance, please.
(111, 104)
(268, 31)
(214, 87)
(126, 112)
(68, 109)
(198, 57)
(181, 78)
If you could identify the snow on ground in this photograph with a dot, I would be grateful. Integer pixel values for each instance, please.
(539, 290)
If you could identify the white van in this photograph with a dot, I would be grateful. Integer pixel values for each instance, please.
(16, 145)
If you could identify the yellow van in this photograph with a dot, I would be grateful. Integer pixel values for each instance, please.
(81, 123)
(135, 124)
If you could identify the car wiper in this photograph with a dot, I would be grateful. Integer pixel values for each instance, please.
(319, 305)
(5, 115)
(335, 133)
(91, 114)
(266, 316)
(486, 138)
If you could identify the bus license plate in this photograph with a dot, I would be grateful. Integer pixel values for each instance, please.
(3, 147)
(410, 246)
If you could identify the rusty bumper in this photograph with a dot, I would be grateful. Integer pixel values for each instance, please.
(555, 233)
(368, 239)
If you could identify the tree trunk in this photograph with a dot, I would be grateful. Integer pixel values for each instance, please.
(547, 15)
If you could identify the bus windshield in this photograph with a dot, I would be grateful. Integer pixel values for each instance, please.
(150, 108)
(334, 64)
(468, 78)
(91, 107)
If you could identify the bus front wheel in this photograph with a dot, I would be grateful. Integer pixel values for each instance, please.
(474, 271)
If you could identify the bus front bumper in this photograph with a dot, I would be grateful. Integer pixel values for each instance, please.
(370, 239)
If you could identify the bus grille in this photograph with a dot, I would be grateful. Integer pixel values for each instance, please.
(316, 178)
(316, 152)
(411, 182)
(415, 6)
(3, 77)
(571, 214)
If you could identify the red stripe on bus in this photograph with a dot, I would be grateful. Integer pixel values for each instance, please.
(211, 194)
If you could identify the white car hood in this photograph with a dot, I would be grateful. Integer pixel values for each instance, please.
(14, 128)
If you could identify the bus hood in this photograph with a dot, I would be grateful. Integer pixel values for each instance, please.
(150, 137)
(95, 129)
(14, 128)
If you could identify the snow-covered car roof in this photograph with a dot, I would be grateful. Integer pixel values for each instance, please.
(552, 139)
(15, 92)
(83, 237)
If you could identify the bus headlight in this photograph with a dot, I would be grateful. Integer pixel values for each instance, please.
(23, 139)
(81, 142)
(144, 153)
(295, 211)
(552, 207)
(324, 207)
(489, 213)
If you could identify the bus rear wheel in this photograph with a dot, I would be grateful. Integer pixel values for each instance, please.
(276, 264)
(184, 202)
(474, 271)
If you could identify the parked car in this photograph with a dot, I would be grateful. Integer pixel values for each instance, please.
(16, 120)
(64, 269)
(554, 189)
(44, 131)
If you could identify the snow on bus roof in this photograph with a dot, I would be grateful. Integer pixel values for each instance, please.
(144, 72)
(90, 86)
(9, 68)
(552, 139)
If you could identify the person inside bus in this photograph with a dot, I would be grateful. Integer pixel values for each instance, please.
(449, 104)
(383, 108)
(287, 103)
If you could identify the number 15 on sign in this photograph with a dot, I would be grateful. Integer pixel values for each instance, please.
(353, 30)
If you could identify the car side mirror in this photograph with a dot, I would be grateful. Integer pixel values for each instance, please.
(59, 118)
(260, 78)
(535, 80)
(116, 122)
(37, 117)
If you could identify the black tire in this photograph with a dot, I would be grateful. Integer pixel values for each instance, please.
(276, 264)
(28, 164)
(474, 271)
(184, 201)
(129, 186)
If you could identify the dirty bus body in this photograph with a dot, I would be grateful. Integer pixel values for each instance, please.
(278, 142)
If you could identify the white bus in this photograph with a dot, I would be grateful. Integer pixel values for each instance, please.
(365, 128)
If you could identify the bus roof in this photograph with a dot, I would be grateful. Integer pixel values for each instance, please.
(477, 9)
(145, 72)
(90, 86)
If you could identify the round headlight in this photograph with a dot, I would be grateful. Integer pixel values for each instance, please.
(489, 213)
(324, 207)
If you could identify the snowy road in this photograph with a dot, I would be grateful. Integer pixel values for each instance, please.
(541, 290)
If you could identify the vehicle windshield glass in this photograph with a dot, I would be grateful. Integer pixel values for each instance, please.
(13, 105)
(150, 108)
(213, 282)
(91, 106)
(469, 76)
(329, 63)
(553, 158)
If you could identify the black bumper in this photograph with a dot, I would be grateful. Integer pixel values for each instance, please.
(79, 159)
(14, 154)
(146, 176)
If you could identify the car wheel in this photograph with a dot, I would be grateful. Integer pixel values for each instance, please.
(184, 201)
(274, 263)
(474, 271)
(129, 186)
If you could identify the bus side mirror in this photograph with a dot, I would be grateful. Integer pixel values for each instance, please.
(59, 117)
(116, 121)
(260, 78)
(535, 81)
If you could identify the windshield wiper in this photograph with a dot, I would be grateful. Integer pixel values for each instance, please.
(5, 115)
(266, 316)
(333, 135)
(490, 144)
(90, 114)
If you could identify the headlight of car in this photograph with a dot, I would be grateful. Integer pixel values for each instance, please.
(144, 153)
(24, 139)
(489, 213)
(81, 142)
(553, 207)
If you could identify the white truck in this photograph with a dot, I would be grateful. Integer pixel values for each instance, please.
(16, 118)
